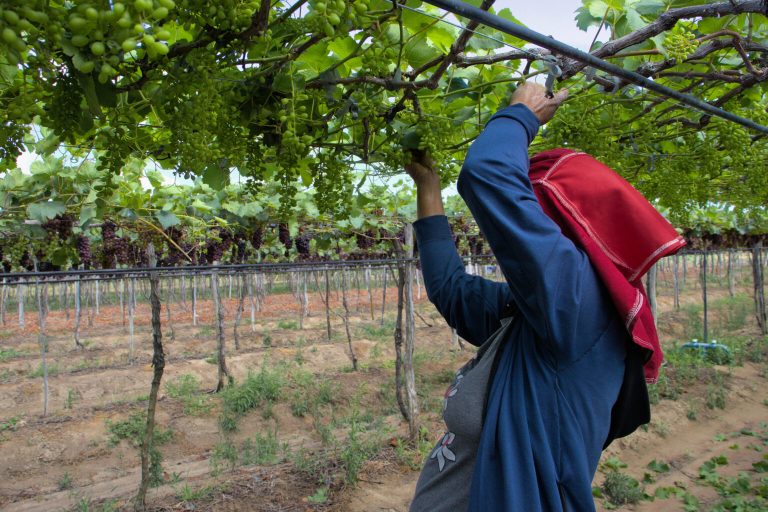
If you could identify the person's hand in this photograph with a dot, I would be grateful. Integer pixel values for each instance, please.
(422, 169)
(534, 96)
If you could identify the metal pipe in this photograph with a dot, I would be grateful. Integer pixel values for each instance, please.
(491, 20)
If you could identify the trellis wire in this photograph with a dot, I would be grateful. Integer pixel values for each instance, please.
(491, 20)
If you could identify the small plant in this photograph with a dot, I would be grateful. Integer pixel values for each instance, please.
(205, 331)
(318, 467)
(261, 451)
(356, 452)
(187, 493)
(375, 332)
(53, 369)
(133, 430)
(320, 496)
(258, 389)
(9, 353)
(10, 424)
(65, 482)
(621, 489)
(658, 467)
(224, 451)
(83, 504)
(661, 428)
(288, 325)
(187, 388)
(716, 397)
(70, 400)
(692, 413)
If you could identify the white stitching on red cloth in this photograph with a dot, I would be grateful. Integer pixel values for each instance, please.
(679, 241)
(635, 309)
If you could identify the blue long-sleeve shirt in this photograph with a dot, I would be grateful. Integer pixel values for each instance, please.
(559, 373)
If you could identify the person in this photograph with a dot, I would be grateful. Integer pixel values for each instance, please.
(557, 375)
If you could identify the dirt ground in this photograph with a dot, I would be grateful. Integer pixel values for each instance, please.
(65, 461)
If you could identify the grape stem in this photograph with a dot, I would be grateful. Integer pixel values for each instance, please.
(168, 238)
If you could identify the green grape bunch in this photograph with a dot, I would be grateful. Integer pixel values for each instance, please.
(329, 16)
(430, 136)
(680, 43)
(22, 22)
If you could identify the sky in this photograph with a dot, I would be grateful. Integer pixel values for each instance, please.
(549, 17)
(552, 18)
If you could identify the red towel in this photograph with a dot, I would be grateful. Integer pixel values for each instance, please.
(621, 232)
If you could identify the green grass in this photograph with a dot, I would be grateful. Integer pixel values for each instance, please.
(187, 493)
(133, 429)
(9, 353)
(10, 424)
(288, 325)
(260, 389)
(53, 369)
(187, 389)
(260, 451)
(377, 332)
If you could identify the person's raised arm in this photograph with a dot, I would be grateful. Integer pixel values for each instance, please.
(471, 304)
(552, 281)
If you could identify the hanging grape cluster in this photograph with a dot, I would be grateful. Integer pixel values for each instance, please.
(328, 16)
(217, 245)
(284, 235)
(680, 42)
(302, 244)
(365, 240)
(83, 247)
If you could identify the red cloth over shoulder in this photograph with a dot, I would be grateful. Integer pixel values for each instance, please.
(621, 232)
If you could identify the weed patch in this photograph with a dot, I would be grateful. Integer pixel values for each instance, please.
(258, 389)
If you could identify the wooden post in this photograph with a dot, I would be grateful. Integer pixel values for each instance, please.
(131, 312)
(384, 296)
(328, 306)
(122, 300)
(42, 340)
(184, 291)
(89, 298)
(410, 334)
(78, 312)
(676, 282)
(404, 410)
(759, 288)
(219, 316)
(168, 299)
(704, 294)
(370, 290)
(651, 285)
(239, 313)
(300, 292)
(729, 270)
(20, 300)
(3, 298)
(194, 300)
(344, 285)
(158, 364)
(253, 302)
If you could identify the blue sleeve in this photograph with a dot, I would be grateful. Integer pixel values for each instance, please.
(471, 304)
(552, 281)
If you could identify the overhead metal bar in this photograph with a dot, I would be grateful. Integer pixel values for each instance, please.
(491, 20)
